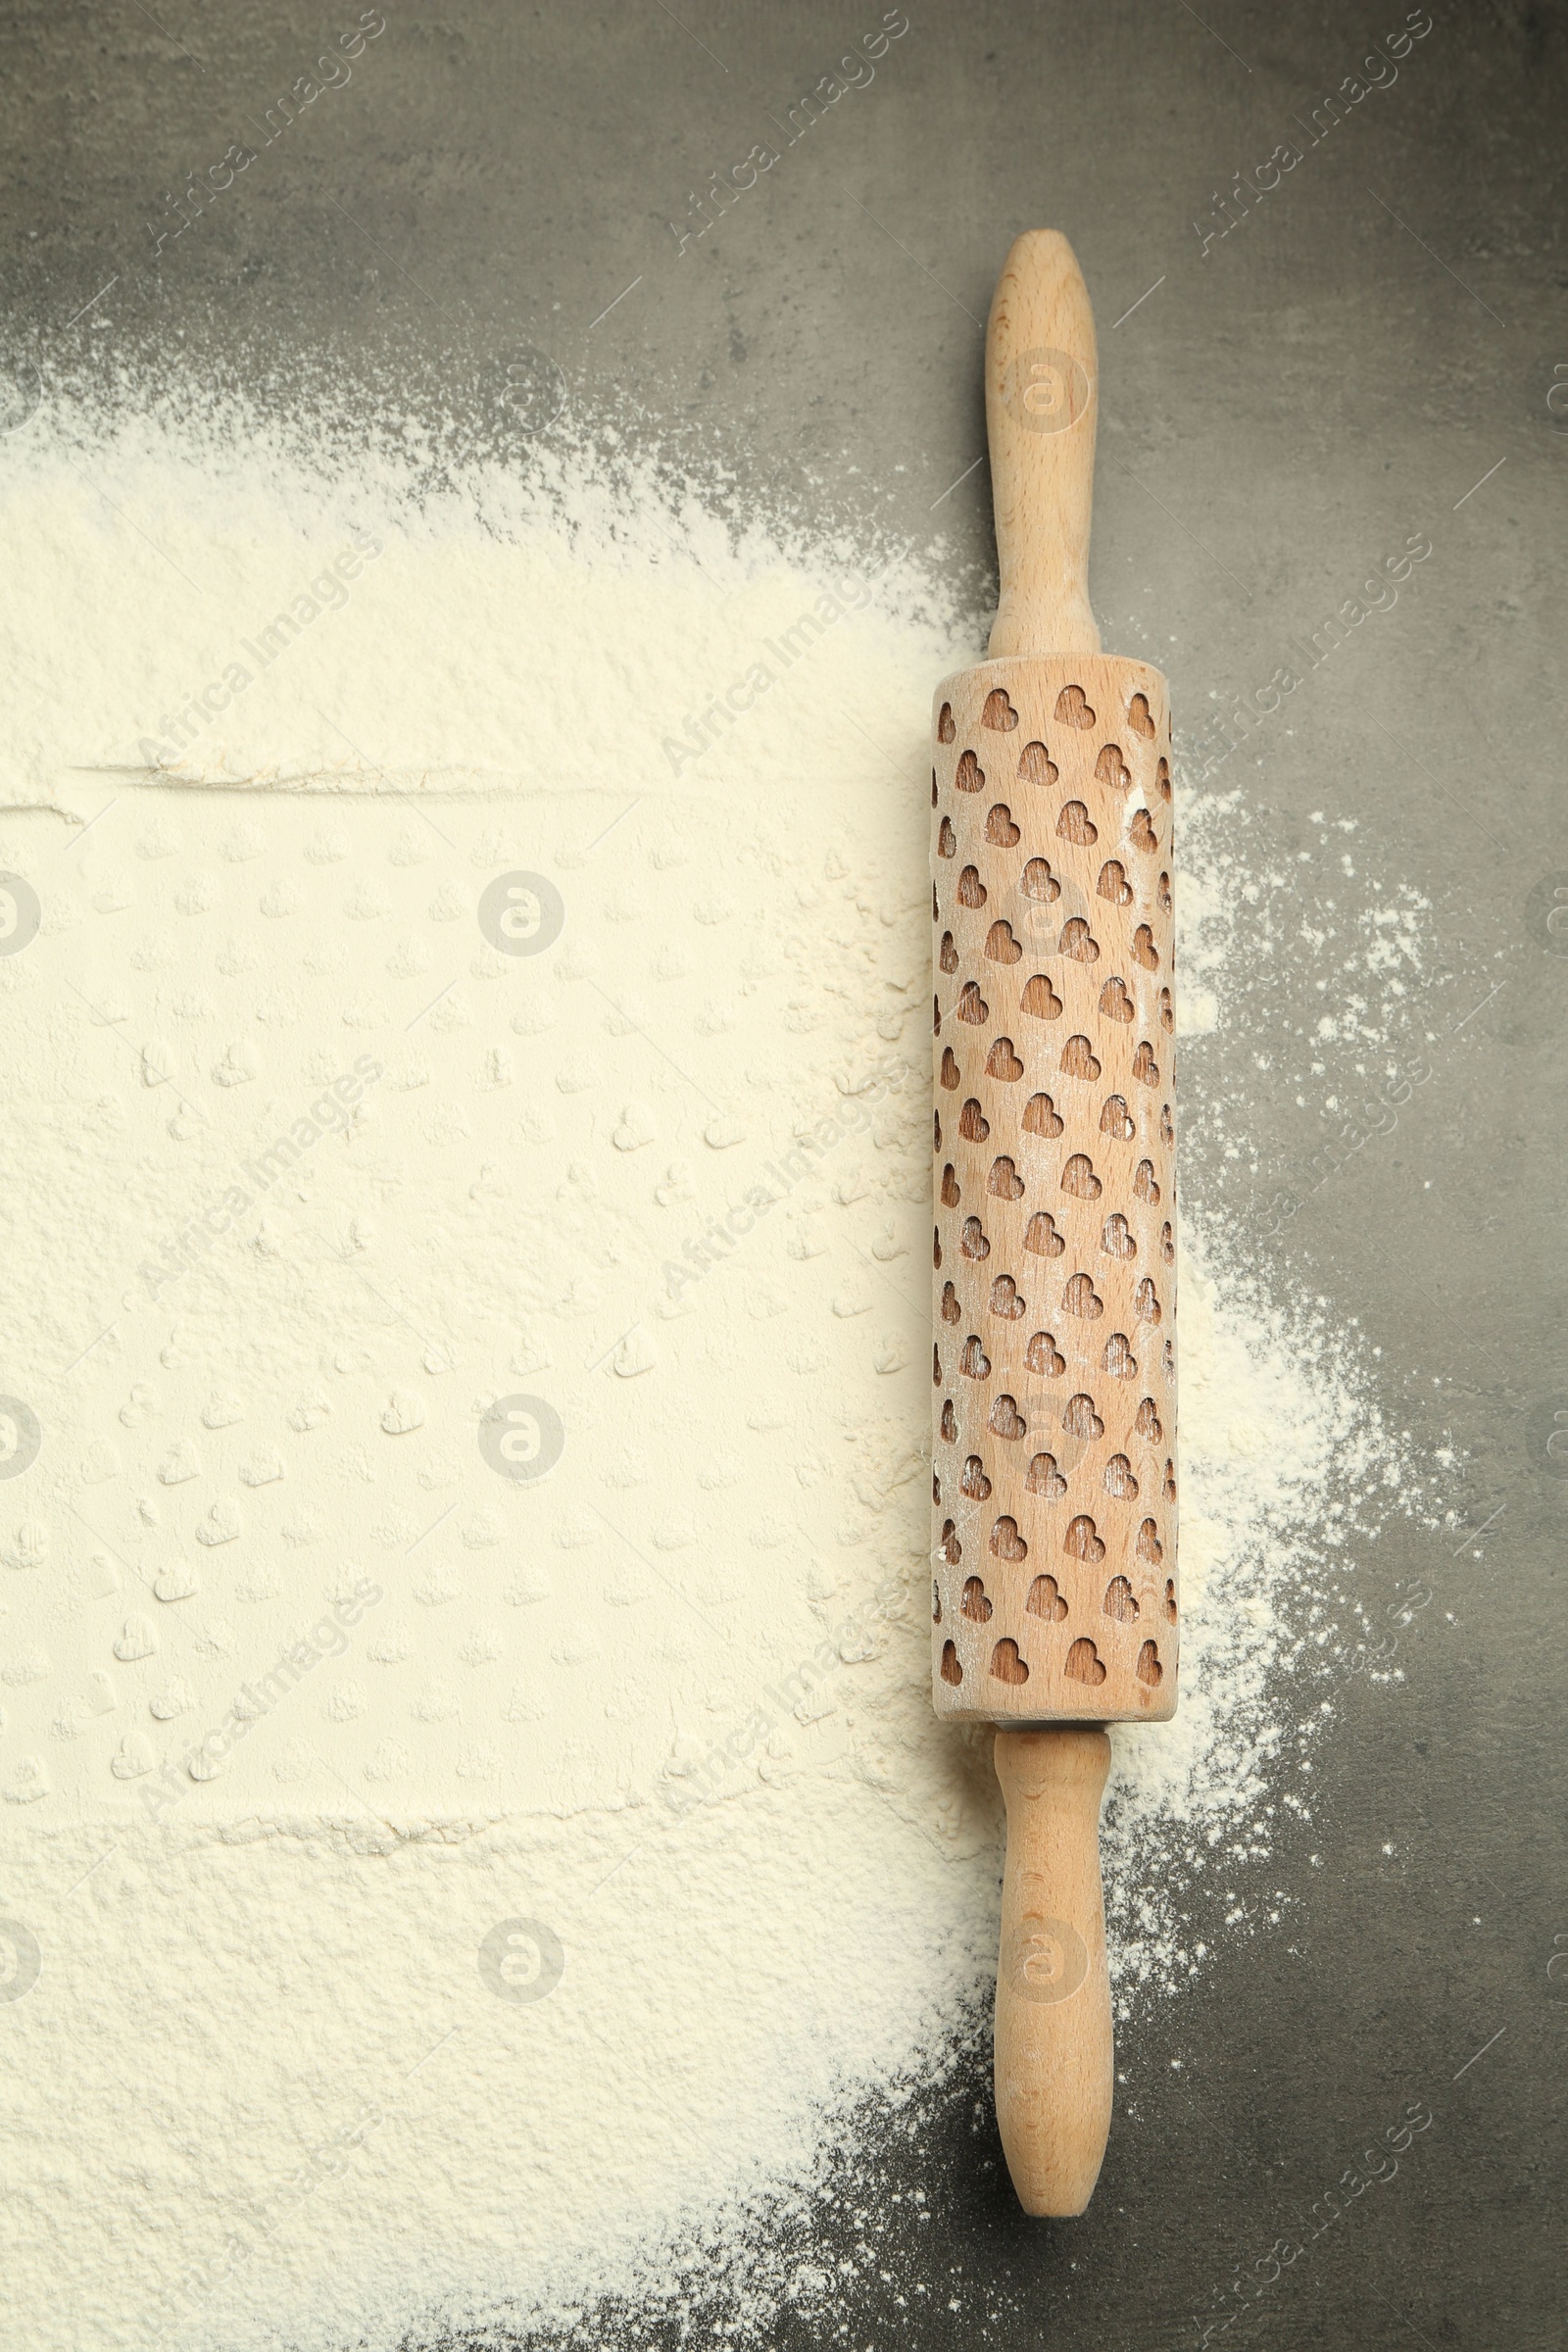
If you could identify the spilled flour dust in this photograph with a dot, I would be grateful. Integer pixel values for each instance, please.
(434, 1887)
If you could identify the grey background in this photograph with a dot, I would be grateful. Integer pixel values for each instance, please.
(1368, 343)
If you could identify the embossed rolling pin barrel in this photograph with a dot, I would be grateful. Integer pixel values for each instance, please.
(1054, 1361)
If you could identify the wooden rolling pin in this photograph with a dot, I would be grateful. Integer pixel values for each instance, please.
(1054, 1364)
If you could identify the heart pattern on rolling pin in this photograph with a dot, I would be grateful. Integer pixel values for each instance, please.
(1053, 1445)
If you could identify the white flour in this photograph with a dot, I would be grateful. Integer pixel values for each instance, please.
(270, 2082)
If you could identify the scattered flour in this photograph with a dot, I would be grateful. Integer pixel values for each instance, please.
(668, 1707)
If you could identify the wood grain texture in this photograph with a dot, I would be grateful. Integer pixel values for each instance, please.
(1042, 408)
(1055, 2054)
(1053, 1364)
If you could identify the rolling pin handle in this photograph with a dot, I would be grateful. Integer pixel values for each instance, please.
(1041, 406)
(1055, 2061)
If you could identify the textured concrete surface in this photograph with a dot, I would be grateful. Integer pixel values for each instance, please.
(1369, 350)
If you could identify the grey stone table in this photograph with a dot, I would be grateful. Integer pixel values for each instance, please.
(1310, 360)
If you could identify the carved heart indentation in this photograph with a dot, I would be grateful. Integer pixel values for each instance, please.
(950, 1670)
(1039, 883)
(1167, 1244)
(1044, 1356)
(999, 712)
(1118, 1241)
(1167, 1011)
(1080, 1298)
(933, 788)
(1170, 1599)
(974, 1481)
(1006, 1420)
(950, 1068)
(1148, 1423)
(1111, 768)
(1001, 829)
(1113, 883)
(1143, 1186)
(947, 954)
(1006, 1542)
(1148, 1668)
(1145, 1302)
(1119, 1478)
(950, 1549)
(1082, 1540)
(1005, 1180)
(950, 1304)
(1119, 1358)
(972, 1241)
(1076, 824)
(1115, 1004)
(1072, 707)
(1035, 766)
(1145, 1066)
(1117, 1119)
(1004, 1299)
(1120, 1602)
(1079, 1418)
(972, 1007)
(946, 730)
(974, 1603)
(1145, 950)
(951, 1194)
(1045, 1478)
(1042, 1236)
(1083, 1663)
(1041, 1000)
(974, 1363)
(1078, 1178)
(1005, 1664)
(1140, 717)
(1078, 941)
(1040, 1115)
(1162, 779)
(1143, 833)
(1001, 946)
(972, 890)
(969, 775)
(1167, 1125)
(950, 1421)
(1079, 1058)
(947, 839)
(1002, 1062)
(1044, 1598)
(973, 1125)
